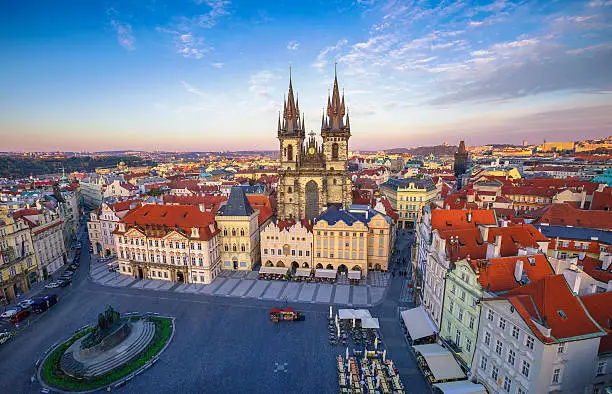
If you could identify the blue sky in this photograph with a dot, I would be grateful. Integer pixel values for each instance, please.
(211, 74)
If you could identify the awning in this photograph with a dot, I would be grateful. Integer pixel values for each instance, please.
(346, 314)
(356, 274)
(303, 272)
(322, 273)
(370, 322)
(362, 313)
(440, 361)
(274, 270)
(461, 387)
(418, 323)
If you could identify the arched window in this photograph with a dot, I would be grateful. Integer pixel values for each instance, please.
(335, 151)
(226, 248)
(290, 152)
(243, 248)
(242, 232)
(225, 232)
(234, 232)
(234, 248)
(289, 190)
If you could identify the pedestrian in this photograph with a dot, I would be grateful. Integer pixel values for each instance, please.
(393, 273)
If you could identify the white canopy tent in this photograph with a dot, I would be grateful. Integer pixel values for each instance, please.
(440, 361)
(359, 314)
(370, 322)
(418, 323)
(354, 274)
(362, 313)
(274, 270)
(461, 387)
(303, 272)
(323, 273)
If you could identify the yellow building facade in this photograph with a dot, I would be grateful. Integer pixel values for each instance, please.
(408, 196)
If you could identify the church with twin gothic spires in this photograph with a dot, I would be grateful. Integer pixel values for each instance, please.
(313, 175)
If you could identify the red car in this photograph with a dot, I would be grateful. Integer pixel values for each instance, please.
(19, 316)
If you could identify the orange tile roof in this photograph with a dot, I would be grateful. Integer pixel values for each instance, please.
(497, 275)
(516, 236)
(457, 218)
(470, 244)
(550, 302)
(593, 267)
(598, 305)
(563, 214)
(162, 219)
(264, 205)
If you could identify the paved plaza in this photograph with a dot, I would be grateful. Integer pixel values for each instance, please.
(245, 284)
(224, 343)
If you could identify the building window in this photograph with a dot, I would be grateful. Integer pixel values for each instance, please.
(525, 368)
(601, 368)
(490, 315)
(458, 338)
(487, 339)
(515, 332)
(448, 326)
(468, 344)
(471, 324)
(166, 275)
(450, 306)
(556, 378)
(460, 315)
(502, 323)
(511, 357)
(529, 342)
(520, 391)
(453, 288)
(561, 348)
(498, 347)
(483, 363)
(507, 384)
(308, 253)
(494, 372)
(265, 252)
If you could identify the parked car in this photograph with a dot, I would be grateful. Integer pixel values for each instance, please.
(52, 285)
(19, 316)
(10, 312)
(64, 282)
(26, 304)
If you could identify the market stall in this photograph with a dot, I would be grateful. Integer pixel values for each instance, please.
(370, 322)
(354, 276)
(273, 273)
(326, 275)
(418, 324)
(437, 363)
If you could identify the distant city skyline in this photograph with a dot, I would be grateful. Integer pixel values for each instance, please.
(209, 75)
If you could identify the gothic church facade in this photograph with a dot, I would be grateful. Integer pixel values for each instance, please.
(313, 176)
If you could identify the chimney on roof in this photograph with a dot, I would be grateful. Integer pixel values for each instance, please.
(494, 249)
(469, 216)
(518, 270)
(484, 232)
(503, 223)
(581, 256)
(195, 232)
(606, 260)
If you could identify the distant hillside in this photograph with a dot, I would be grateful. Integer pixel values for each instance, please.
(438, 150)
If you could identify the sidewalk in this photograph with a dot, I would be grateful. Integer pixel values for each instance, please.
(245, 284)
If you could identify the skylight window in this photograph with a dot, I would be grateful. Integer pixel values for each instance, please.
(561, 313)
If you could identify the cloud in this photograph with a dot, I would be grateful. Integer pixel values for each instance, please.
(122, 29)
(293, 45)
(259, 83)
(190, 47)
(193, 90)
(526, 67)
(218, 65)
(218, 9)
(322, 60)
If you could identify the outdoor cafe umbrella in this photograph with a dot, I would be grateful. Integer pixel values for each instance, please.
(384, 354)
(353, 322)
(330, 312)
(347, 354)
(376, 343)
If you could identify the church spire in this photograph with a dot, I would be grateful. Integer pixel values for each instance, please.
(335, 105)
(348, 123)
(291, 111)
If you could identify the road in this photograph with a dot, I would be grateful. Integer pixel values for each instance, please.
(222, 344)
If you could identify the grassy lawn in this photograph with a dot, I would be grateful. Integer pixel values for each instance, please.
(53, 375)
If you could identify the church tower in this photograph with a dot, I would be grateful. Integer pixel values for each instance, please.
(291, 136)
(336, 131)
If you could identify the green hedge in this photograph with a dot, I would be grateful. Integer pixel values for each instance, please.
(53, 375)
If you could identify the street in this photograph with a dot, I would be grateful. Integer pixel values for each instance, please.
(221, 345)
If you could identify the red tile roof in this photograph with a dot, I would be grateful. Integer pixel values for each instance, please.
(497, 275)
(470, 244)
(567, 215)
(162, 219)
(264, 205)
(602, 200)
(593, 267)
(457, 218)
(550, 302)
(516, 236)
(288, 223)
(598, 305)
(211, 203)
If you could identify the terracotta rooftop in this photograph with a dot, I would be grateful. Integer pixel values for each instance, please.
(564, 214)
(516, 236)
(159, 220)
(497, 275)
(263, 203)
(598, 305)
(458, 218)
(470, 244)
(550, 302)
(593, 267)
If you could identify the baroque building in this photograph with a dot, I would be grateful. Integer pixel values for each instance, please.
(313, 176)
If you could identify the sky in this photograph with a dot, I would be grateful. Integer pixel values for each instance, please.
(211, 74)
